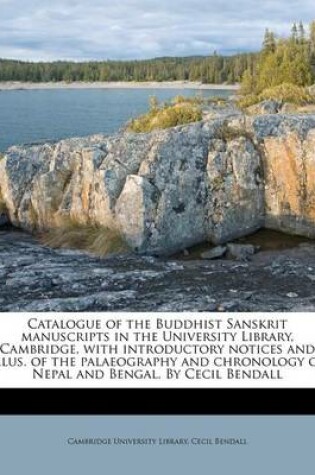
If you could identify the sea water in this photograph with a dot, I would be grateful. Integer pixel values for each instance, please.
(31, 116)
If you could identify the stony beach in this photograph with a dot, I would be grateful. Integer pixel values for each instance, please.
(11, 85)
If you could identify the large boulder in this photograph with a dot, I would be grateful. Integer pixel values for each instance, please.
(266, 107)
(214, 181)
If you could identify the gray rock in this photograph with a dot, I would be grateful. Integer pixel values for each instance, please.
(292, 295)
(165, 191)
(43, 279)
(3, 219)
(231, 306)
(288, 108)
(242, 252)
(216, 181)
(214, 253)
(269, 107)
(307, 246)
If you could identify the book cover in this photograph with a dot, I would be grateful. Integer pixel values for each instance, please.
(157, 225)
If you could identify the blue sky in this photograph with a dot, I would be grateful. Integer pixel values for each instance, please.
(123, 29)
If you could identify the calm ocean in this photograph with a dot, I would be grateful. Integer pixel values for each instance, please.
(28, 116)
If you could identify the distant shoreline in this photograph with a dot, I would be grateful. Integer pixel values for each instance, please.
(13, 86)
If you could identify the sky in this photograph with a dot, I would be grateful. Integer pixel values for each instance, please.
(137, 29)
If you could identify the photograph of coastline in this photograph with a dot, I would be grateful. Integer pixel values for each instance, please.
(157, 160)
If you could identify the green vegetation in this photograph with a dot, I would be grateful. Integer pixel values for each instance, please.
(284, 68)
(285, 92)
(178, 112)
(98, 240)
(199, 100)
(227, 133)
(212, 69)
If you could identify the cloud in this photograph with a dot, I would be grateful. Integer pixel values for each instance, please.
(102, 29)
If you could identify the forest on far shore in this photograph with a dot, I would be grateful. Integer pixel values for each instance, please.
(213, 69)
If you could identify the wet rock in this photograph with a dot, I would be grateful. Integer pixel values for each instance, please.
(214, 253)
(4, 221)
(36, 278)
(228, 307)
(292, 295)
(105, 300)
(241, 252)
(307, 246)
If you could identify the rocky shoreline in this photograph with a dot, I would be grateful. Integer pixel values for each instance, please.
(37, 278)
(214, 181)
(12, 85)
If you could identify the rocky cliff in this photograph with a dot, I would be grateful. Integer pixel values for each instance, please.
(210, 181)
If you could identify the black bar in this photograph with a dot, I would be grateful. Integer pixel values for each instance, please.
(157, 401)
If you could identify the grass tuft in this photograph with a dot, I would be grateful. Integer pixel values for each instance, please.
(98, 240)
(248, 101)
(199, 100)
(227, 133)
(180, 111)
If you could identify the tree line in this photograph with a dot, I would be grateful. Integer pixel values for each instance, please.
(214, 69)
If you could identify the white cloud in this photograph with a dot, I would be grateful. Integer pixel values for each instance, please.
(100, 29)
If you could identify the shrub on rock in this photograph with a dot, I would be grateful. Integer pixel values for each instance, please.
(168, 115)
